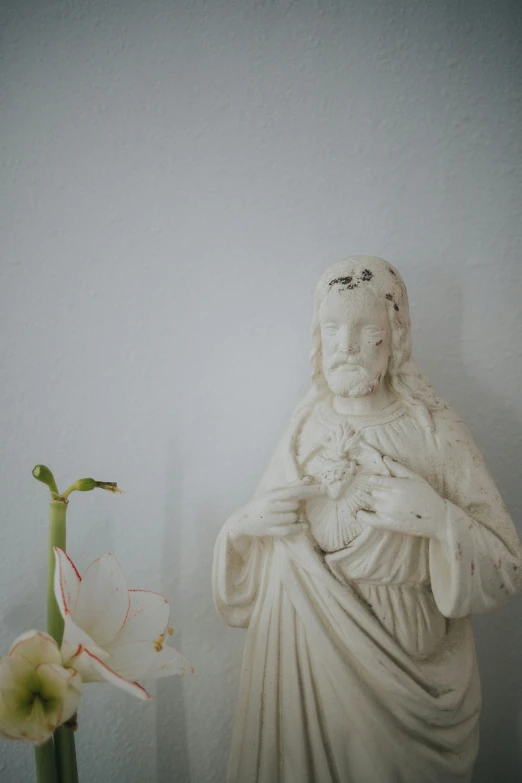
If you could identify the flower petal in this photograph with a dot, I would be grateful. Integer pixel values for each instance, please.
(93, 669)
(73, 695)
(30, 728)
(66, 581)
(53, 680)
(147, 618)
(139, 660)
(35, 700)
(74, 638)
(63, 685)
(36, 647)
(103, 600)
(16, 676)
(132, 658)
(37, 726)
(167, 662)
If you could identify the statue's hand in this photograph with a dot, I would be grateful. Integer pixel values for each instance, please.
(404, 503)
(274, 513)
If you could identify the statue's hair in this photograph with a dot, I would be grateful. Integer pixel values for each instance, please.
(403, 376)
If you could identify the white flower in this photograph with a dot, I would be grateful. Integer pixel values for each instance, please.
(112, 633)
(37, 694)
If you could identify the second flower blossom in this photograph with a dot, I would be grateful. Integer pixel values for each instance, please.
(111, 633)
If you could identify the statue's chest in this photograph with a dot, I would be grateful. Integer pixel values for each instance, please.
(341, 460)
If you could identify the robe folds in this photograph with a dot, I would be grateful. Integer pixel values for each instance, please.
(359, 664)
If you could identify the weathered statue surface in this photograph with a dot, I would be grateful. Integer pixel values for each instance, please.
(374, 534)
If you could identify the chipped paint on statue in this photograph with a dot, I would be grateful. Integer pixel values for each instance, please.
(374, 534)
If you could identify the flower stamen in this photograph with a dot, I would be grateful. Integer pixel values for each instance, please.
(158, 643)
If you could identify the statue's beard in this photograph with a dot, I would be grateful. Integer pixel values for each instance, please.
(352, 383)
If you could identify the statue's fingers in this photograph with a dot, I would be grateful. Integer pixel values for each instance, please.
(306, 491)
(383, 507)
(285, 518)
(399, 470)
(284, 504)
(273, 519)
(383, 493)
(286, 530)
(385, 497)
(285, 492)
(376, 480)
(365, 490)
(364, 500)
(368, 517)
(377, 520)
(276, 492)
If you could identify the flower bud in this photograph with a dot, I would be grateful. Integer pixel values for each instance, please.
(37, 693)
(43, 474)
(86, 484)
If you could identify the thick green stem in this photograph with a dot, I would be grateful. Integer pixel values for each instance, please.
(57, 537)
(65, 755)
(45, 762)
(44, 755)
(64, 745)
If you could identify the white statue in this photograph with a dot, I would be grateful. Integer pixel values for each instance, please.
(374, 534)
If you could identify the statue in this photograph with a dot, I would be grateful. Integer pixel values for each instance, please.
(374, 534)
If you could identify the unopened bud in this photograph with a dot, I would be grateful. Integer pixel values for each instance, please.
(86, 484)
(43, 474)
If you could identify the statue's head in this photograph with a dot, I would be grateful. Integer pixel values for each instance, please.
(361, 334)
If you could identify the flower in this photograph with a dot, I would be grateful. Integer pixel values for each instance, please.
(37, 694)
(111, 633)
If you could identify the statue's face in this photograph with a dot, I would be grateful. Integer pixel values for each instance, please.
(355, 337)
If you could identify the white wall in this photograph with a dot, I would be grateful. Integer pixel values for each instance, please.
(176, 176)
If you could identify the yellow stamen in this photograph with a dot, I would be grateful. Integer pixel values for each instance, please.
(158, 643)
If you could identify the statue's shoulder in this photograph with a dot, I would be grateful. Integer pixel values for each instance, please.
(305, 410)
(305, 421)
(452, 434)
(445, 418)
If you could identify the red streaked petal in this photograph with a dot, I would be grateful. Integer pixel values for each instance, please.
(75, 638)
(66, 581)
(147, 618)
(167, 662)
(36, 647)
(140, 660)
(103, 600)
(93, 669)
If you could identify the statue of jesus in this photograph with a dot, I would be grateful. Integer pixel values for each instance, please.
(375, 532)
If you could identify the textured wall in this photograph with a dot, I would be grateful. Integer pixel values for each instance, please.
(176, 176)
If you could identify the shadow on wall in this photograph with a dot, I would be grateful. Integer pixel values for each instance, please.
(172, 757)
(498, 648)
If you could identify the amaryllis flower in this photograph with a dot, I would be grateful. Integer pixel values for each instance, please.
(112, 633)
(37, 694)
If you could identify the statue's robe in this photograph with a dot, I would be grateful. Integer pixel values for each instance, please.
(359, 666)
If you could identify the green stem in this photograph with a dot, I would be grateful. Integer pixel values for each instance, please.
(45, 762)
(64, 745)
(65, 749)
(57, 537)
